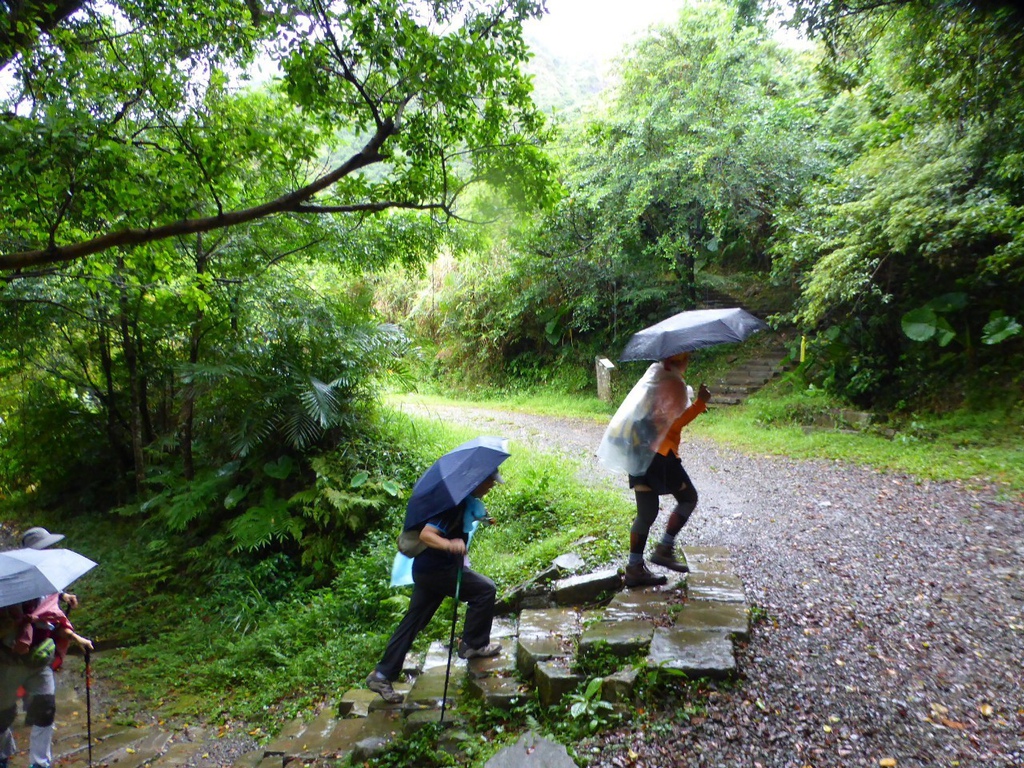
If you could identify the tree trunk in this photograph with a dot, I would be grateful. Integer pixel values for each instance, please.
(188, 407)
(129, 351)
(110, 402)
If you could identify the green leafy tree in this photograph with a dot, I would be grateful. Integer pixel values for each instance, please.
(923, 205)
(705, 136)
(120, 128)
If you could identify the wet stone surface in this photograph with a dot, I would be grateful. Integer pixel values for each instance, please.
(622, 638)
(585, 588)
(554, 679)
(715, 616)
(725, 587)
(695, 652)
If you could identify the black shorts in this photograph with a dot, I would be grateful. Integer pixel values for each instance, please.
(665, 475)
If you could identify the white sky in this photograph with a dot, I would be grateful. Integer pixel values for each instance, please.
(581, 29)
(598, 29)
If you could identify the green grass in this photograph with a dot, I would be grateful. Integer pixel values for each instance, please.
(976, 447)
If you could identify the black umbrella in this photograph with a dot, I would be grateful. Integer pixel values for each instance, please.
(691, 330)
(453, 477)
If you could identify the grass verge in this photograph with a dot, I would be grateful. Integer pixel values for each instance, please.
(971, 446)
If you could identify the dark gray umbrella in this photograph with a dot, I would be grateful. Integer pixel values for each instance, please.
(691, 330)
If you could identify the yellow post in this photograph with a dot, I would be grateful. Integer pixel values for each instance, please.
(803, 348)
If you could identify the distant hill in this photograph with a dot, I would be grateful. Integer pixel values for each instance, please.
(563, 85)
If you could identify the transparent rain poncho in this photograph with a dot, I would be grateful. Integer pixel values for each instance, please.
(640, 424)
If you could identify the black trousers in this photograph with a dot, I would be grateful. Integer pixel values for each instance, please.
(428, 592)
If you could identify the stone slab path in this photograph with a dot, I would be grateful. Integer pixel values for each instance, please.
(689, 625)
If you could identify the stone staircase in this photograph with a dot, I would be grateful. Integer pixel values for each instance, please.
(745, 376)
(689, 625)
(748, 376)
(712, 298)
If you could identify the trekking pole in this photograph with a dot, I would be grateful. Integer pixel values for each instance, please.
(88, 704)
(451, 643)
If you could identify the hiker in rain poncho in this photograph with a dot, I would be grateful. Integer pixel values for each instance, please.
(642, 440)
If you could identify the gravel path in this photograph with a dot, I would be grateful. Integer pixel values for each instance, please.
(895, 612)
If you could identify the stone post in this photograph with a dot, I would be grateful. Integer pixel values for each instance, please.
(604, 368)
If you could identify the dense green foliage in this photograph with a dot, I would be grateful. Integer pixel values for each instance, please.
(870, 198)
(908, 251)
(206, 283)
(183, 254)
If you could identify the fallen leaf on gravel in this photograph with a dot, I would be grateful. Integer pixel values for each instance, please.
(887, 762)
(938, 709)
(952, 723)
(986, 710)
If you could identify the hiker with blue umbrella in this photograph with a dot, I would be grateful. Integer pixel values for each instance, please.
(443, 510)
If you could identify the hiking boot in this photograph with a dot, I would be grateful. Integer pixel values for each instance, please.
(491, 649)
(664, 557)
(639, 576)
(377, 683)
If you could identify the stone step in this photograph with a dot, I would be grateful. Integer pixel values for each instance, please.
(742, 386)
(689, 625)
(746, 378)
(735, 400)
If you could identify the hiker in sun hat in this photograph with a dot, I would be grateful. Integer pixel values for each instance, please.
(40, 538)
(34, 636)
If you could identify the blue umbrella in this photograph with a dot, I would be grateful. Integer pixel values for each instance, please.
(691, 330)
(453, 477)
